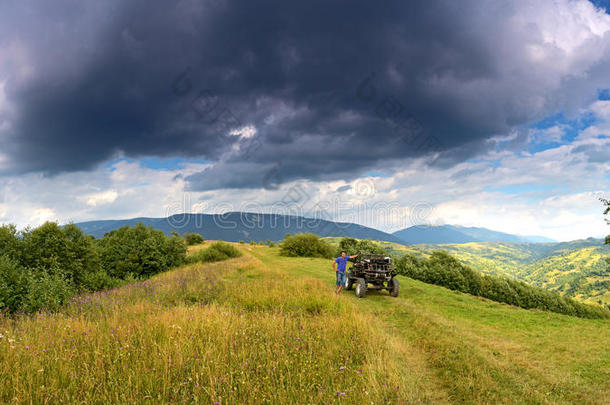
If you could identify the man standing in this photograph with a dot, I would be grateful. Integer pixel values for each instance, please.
(339, 266)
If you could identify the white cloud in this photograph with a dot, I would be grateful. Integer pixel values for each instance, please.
(41, 215)
(128, 190)
(103, 197)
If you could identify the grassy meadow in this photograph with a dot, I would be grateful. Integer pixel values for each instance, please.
(262, 328)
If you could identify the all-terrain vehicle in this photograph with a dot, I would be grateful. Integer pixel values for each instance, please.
(372, 272)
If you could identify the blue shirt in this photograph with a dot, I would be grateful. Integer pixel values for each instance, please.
(341, 263)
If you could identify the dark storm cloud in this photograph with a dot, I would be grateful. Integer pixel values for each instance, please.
(333, 88)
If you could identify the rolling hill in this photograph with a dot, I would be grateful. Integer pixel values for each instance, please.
(263, 328)
(577, 269)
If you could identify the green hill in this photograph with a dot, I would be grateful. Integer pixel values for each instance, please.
(576, 269)
(268, 329)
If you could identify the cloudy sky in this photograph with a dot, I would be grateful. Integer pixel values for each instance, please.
(476, 113)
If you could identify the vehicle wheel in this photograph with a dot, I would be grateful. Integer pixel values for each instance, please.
(394, 288)
(349, 283)
(360, 288)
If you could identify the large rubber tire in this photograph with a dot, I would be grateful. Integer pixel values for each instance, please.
(394, 287)
(360, 288)
(349, 283)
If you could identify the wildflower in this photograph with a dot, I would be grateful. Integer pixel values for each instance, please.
(342, 368)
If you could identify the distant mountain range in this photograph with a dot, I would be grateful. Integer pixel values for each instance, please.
(459, 234)
(247, 226)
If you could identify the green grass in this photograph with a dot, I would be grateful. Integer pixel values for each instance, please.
(262, 328)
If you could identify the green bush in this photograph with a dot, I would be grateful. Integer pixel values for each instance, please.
(193, 239)
(50, 248)
(141, 251)
(352, 246)
(47, 292)
(10, 244)
(44, 266)
(305, 245)
(25, 290)
(100, 280)
(14, 285)
(226, 248)
(216, 252)
(206, 256)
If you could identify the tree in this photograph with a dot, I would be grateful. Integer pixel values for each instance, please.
(10, 242)
(141, 251)
(60, 250)
(14, 285)
(193, 238)
(305, 245)
(409, 265)
(352, 246)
